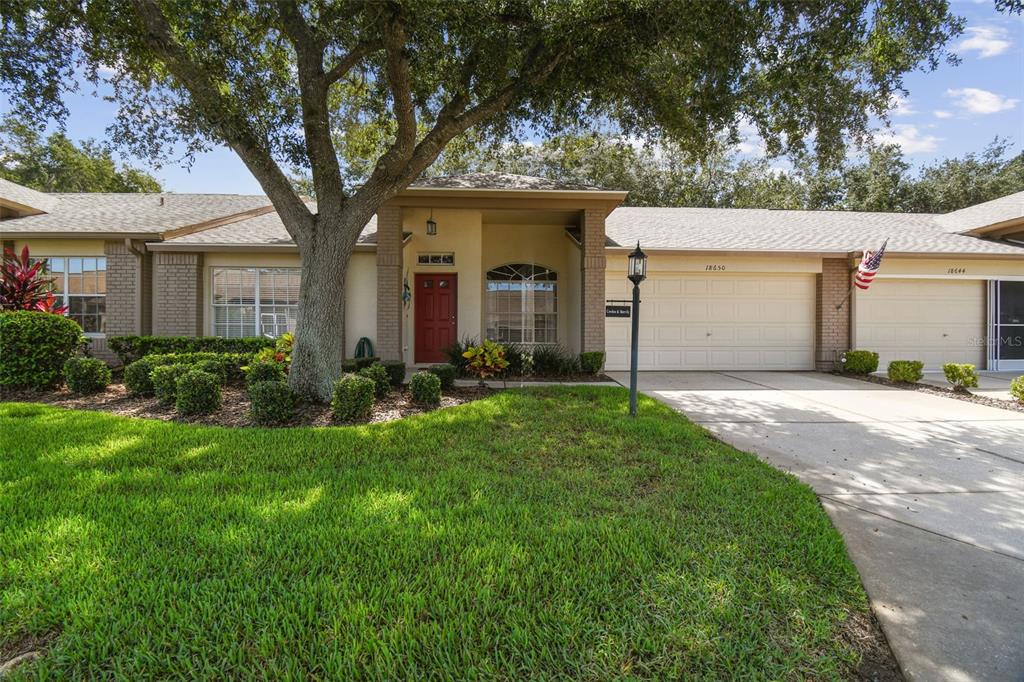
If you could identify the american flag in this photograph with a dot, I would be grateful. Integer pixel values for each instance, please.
(868, 267)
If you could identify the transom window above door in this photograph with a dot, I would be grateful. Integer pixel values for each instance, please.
(522, 304)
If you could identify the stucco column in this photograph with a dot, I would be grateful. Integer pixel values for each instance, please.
(832, 328)
(592, 280)
(178, 294)
(389, 283)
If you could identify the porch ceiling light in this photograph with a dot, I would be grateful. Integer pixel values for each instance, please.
(431, 224)
(637, 265)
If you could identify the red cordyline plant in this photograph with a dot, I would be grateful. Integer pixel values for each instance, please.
(23, 287)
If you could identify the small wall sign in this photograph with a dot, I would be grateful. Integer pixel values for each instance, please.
(714, 268)
(956, 271)
(617, 311)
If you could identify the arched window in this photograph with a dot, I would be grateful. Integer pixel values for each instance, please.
(522, 304)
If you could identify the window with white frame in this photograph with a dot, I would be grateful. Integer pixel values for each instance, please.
(255, 301)
(522, 304)
(81, 285)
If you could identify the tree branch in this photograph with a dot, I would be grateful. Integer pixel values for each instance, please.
(400, 83)
(220, 112)
(346, 63)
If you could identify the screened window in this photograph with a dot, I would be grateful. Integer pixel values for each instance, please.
(255, 301)
(522, 304)
(82, 285)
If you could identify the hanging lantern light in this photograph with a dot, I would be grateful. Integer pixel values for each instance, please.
(431, 224)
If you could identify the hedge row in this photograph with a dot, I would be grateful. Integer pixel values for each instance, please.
(131, 348)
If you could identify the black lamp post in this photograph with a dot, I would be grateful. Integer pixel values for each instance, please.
(636, 273)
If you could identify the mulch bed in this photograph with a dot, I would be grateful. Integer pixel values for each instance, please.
(944, 392)
(234, 409)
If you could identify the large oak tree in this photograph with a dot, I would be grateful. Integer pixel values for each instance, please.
(287, 84)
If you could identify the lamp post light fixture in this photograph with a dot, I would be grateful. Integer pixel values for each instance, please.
(431, 224)
(636, 273)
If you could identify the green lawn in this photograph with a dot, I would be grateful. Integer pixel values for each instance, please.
(536, 533)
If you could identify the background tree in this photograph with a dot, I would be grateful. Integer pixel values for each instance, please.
(56, 164)
(280, 82)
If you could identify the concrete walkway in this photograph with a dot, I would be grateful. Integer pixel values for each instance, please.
(927, 491)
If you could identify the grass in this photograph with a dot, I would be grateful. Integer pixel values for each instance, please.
(534, 533)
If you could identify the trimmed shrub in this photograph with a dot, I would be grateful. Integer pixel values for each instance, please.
(34, 347)
(214, 367)
(396, 370)
(353, 397)
(960, 376)
(272, 402)
(136, 376)
(860, 362)
(425, 388)
(906, 371)
(261, 372)
(592, 362)
(131, 348)
(554, 361)
(231, 363)
(1017, 388)
(445, 373)
(198, 393)
(86, 375)
(353, 365)
(381, 379)
(165, 381)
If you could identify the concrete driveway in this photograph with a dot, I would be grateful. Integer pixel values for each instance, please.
(927, 491)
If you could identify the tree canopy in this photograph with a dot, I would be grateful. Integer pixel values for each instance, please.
(661, 175)
(303, 83)
(56, 164)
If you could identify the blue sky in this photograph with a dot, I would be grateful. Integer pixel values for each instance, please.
(948, 112)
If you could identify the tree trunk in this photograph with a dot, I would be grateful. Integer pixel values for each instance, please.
(319, 333)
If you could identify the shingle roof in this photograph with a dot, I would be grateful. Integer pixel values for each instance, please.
(502, 181)
(131, 213)
(263, 230)
(992, 212)
(24, 196)
(739, 229)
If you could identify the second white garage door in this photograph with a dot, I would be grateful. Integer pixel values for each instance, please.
(717, 322)
(932, 320)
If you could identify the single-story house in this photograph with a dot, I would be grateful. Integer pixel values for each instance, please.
(533, 261)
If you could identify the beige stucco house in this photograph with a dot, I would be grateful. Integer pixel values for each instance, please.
(532, 261)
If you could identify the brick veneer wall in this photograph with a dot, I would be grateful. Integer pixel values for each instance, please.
(177, 289)
(124, 295)
(389, 283)
(832, 330)
(592, 281)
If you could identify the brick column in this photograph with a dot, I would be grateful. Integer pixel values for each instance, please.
(832, 331)
(389, 283)
(592, 280)
(127, 291)
(177, 290)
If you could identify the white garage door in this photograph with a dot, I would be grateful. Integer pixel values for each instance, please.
(717, 322)
(932, 320)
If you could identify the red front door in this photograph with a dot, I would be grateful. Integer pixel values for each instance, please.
(436, 319)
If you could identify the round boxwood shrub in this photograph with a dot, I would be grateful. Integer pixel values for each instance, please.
(960, 375)
(165, 381)
(198, 392)
(396, 370)
(86, 375)
(272, 402)
(34, 347)
(381, 379)
(137, 376)
(860, 362)
(425, 388)
(906, 371)
(214, 367)
(266, 370)
(446, 373)
(353, 397)
(1017, 388)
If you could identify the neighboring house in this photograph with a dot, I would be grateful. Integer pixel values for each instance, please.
(528, 260)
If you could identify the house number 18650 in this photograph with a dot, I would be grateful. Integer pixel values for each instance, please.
(714, 268)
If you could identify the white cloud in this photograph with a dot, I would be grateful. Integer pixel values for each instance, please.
(900, 105)
(987, 41)
(978, 101)
(909, 138)
(939, 113)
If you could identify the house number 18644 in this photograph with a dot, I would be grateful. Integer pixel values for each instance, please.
(957, 271)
